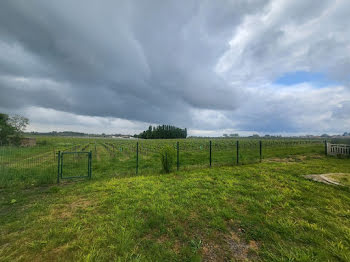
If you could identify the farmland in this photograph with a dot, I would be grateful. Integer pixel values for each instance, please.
(25, 167)
(247, 211)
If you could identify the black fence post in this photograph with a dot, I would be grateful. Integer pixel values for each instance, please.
(90, 163)
(210, 153)
(137, 157)
(325, 147)
(260, 145)
(61, 165)
(166, 161)
(237, 149)
(58, 166)
(177, 156)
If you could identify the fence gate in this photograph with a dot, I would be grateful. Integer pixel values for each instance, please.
(74, 165)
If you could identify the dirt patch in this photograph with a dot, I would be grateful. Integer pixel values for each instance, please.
(123, 158)
(68, 210)
(286, 160)
(177, 247)
(59, 250)
(230, 248)
(330, 178)
(297, 158)
(163, 239)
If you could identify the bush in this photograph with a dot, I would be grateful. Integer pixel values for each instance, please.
(167, 157)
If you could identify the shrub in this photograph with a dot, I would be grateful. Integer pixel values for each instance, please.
(167, 158)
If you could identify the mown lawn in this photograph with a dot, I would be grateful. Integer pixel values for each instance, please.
(263, 212)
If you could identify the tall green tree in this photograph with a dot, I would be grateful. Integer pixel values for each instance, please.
(163, 132)
(11, 129)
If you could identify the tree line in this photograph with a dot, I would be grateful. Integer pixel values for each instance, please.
(163, 132)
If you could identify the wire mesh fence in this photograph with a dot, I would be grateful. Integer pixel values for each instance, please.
(38, 165)
(74, 164)
(26, 165)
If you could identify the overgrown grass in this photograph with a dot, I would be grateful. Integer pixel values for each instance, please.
(264, 211)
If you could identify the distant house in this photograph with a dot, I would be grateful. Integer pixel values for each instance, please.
(122, 136)
(27, 141)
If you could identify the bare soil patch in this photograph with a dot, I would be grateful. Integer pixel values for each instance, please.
(231, 248)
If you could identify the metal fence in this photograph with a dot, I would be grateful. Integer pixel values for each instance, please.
(28, 166)
(72, 165)
(37, 165)
(143, 156)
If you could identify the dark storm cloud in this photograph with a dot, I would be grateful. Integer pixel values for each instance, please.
(148, 60)
(207, 65)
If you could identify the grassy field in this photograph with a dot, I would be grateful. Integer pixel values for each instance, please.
(261, 212)
(247, 212)
(37, 166)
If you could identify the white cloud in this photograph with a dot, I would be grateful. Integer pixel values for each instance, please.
(46, 120)
(290, 36)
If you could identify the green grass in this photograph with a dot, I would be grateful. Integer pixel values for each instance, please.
(265, 212)
(36, 166)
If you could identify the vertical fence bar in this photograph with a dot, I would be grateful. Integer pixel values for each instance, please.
(137, 157)
(237, 151)
(90, 162)
(1, 157)
(58, 166)
(210, 153)
(88, 169)
(325, 147)
(167, 169)
(61, 164)
(260, 145)
(177, 156)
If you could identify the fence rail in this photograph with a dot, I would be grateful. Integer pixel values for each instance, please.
(338, 149)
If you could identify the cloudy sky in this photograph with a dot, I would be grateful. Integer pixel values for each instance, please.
(228, 66)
